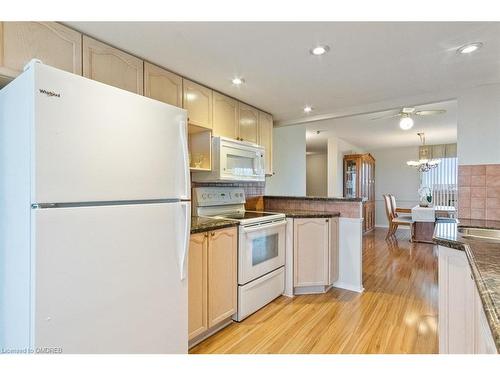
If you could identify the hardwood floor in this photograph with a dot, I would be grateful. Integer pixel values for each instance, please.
(397, 313)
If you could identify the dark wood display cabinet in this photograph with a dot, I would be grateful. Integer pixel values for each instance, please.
(359, 182)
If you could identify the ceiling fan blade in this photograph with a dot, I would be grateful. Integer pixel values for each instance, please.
(386, 117)
(430, 112)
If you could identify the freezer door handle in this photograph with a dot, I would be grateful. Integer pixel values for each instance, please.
(183, 257)
(185, 155)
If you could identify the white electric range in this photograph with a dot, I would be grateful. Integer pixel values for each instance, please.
(261, 245)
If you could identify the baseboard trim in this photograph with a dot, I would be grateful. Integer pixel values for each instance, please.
(205, 335)
(352, 288)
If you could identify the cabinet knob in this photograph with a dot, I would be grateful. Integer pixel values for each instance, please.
(327, 220)
(212, 234)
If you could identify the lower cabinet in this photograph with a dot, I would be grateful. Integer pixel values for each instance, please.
(212, 281)
(463, 328)
(315, 254)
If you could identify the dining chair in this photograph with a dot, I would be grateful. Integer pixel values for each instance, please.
(394, 219)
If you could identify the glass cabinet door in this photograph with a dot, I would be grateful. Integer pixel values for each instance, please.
(351, 177)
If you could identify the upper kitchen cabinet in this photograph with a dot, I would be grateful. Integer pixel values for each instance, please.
(266, 139)
(225, 116)
(248, 123)
(112, 66)
(162, 85)
(198, 103)
(51, 42)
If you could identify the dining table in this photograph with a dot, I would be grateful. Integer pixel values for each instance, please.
(425, 218)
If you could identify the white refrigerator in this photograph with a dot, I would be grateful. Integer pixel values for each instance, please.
(94, 218)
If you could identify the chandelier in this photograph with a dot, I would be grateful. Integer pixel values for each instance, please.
(423, 164)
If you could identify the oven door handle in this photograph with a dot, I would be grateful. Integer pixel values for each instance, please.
(257, 227)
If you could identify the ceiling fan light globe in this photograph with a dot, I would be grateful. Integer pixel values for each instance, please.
(406, 123)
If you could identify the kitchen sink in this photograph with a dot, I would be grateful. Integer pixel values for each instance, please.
(480, 233)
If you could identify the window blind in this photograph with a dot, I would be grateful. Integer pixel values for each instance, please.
(442, 181)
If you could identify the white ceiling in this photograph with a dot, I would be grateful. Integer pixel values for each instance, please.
(368, 134)
(369, 62)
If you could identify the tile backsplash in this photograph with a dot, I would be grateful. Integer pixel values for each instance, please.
(479, 191)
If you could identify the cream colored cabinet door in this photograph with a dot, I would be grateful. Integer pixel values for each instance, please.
(311, 249)
(222, 268)
(162, 85)
(333, 262)
(225, 118)
(266, 139)
(51, 42)
(112, 66)
(248, 123)
(197, 284)
(198, 103)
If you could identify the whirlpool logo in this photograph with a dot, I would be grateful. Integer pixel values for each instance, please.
(50, 93)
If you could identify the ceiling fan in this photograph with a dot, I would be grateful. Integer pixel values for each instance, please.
(406, 116)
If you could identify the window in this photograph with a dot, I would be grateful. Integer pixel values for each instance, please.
(442, 181)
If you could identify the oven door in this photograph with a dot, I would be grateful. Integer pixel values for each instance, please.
(240, 162)
(261, 250)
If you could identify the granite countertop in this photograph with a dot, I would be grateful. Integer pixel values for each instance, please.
(305, 214)
(204, 224)
(484, 259)
(331, 199)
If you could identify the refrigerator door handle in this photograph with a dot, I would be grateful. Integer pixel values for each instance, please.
(185, 244)
(185, 154)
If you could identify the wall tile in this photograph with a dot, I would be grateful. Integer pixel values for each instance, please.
(478, 180)
(478, 192)
(464, 169)
(464, 213)
(478, 170)
(478, 214)
(476, 203)
(493, 180)
(493, 214)
(492, 203)
(493, 169)
(464, 180)
(492, 192)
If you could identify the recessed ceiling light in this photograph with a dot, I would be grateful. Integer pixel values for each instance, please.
(319, 50)
(406, 122)
(308, 109)
(237, 81)
(469, 48)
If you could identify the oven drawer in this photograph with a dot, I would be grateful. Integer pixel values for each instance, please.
(258, 293)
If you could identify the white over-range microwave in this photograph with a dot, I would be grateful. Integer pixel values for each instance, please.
(234, 161)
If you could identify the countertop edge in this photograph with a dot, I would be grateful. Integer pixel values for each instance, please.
(213, 226)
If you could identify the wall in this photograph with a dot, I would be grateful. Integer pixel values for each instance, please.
(289, 162)
(478, 152)
(393, 176)
(479, 126)
(316, 175)
(337, 148)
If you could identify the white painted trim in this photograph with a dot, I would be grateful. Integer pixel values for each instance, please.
(314, 289)
(350, 254)
(351, 287)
